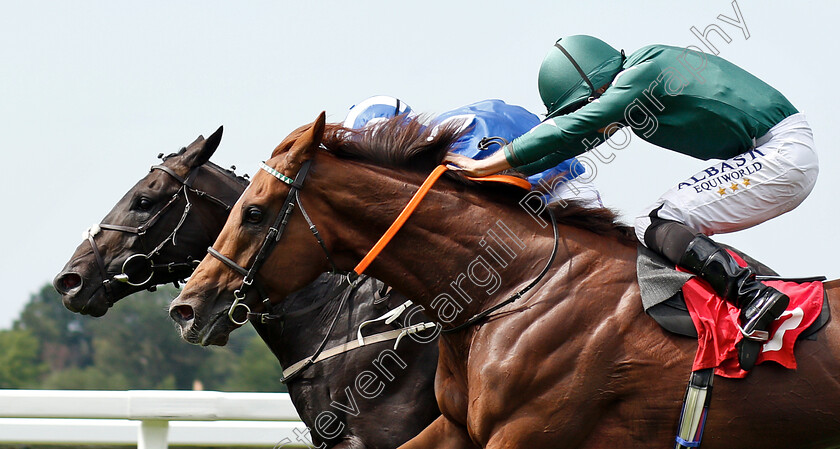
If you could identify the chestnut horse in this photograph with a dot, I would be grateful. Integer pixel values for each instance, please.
(296, 330)
(574, 363)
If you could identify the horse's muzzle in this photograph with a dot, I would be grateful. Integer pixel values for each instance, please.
(79, 296)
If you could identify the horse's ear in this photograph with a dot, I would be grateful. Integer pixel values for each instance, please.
(197, 140)
(309, 140)
(195, 157)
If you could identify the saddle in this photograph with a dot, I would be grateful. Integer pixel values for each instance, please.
(664, 288)
(663, 299)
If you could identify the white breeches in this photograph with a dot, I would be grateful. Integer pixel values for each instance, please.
(748, 189)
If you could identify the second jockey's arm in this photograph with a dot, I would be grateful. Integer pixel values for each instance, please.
(560, 138)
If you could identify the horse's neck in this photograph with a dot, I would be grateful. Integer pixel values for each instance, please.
(299, 336)
(456, 248)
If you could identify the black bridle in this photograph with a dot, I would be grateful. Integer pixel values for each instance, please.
(275, 232)
(144, 263)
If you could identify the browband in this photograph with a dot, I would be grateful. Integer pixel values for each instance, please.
(276, 174)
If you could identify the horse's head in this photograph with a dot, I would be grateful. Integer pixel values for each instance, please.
(341, 180)
(259, 220)
(153, 234)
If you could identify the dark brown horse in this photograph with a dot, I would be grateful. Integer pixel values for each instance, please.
(575, 363)
(152, 219)
(299, 326)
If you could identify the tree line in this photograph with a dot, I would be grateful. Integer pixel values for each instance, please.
(134, 346)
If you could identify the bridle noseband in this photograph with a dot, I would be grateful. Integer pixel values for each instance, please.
(145, 261)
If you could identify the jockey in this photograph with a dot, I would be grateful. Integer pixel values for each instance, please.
(484, 121)
(375, 109)
(692, 103)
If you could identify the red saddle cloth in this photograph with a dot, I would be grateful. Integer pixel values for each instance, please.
(716, 322)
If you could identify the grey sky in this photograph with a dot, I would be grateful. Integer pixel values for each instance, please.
(91, 91)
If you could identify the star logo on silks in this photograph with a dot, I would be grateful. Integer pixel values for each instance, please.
(734, 187)
(746, 182)
(722, 191)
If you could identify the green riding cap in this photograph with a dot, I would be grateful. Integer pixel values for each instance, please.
(561, 84)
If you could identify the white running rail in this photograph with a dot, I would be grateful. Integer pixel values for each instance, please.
(150, 419)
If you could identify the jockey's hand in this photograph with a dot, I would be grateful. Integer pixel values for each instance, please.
(477, 168)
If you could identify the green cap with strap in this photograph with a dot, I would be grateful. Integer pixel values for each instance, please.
(574, 69)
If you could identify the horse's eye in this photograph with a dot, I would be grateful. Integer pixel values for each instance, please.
(253, 215)
(144, 204)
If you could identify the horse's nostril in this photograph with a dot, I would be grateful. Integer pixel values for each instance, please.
(183, 313)
(67, 282)
(70, 281)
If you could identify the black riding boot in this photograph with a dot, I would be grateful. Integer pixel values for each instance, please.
(760, 305)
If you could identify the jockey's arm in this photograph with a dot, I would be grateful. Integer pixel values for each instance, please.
(567, 136)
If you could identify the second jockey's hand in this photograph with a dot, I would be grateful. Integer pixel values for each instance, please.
(494, 163)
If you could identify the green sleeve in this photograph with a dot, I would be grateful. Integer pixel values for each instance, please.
(552, 159)
(566, 136)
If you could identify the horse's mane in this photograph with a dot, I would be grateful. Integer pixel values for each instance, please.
(228, 172)
(405, 143)
(400, 142)
(241, 179)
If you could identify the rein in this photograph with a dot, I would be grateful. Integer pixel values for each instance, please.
(412, 206)
(275, 232)
(290, 373)
(415, 201)
(482, 315)
(140, 259)
(401, 219)
(273, 236)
